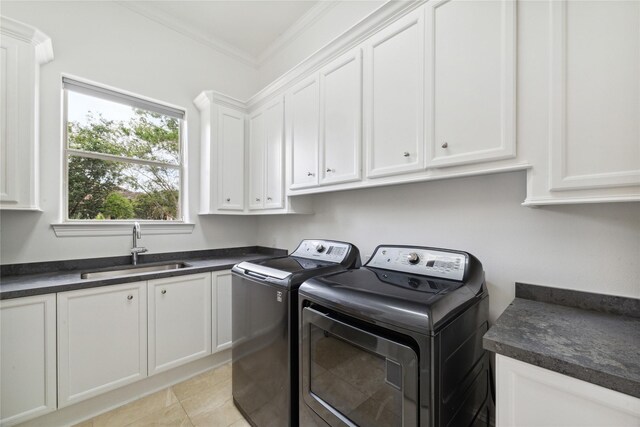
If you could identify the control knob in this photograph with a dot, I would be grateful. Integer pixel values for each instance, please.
(413, 258)
(319, 247)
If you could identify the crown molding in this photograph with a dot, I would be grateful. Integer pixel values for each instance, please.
(155, 14)
(370, 24)
(379, 18)
(161, 17)
(207, 97)
(28, 34)
(296, 29)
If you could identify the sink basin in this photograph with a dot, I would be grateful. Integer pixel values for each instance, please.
(133, 270)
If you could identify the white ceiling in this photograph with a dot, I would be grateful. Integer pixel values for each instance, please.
(248, 30)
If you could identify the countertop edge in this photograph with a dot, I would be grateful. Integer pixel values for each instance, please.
(600, 378)
(18, 290)
(554, 305)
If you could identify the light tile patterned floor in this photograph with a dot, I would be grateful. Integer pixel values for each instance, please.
(204, 400)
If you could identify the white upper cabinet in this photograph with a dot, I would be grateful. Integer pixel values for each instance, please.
(394, 97)
(341, 119)
(230, 159)
(470, 81)
(593, 149)
(222, 150)
(303, 119)
(274, 154)
(266, 128)
(257, 145)
(23, 49)
(595, 94)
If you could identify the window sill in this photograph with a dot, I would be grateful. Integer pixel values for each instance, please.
(124, 228)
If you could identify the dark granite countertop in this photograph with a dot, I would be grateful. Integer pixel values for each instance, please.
(591, 337)
(22, 280)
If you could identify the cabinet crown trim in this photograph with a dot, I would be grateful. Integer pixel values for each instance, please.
(39, 40)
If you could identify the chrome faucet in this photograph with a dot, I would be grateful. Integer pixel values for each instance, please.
(135, 250)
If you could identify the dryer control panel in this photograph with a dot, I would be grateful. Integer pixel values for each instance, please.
(423, 261)
(324, 250)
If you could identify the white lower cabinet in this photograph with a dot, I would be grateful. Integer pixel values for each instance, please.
(221, 308)
(528, 395)
(179, 319)
(102, 340)
(27, 358)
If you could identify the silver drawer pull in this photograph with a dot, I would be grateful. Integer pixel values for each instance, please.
(445, 144)
(257, 199)
(269, 198)
(129, 297)
(311, 174)
(330, 170)
(228, 199)
(406, 154)
(164, 291)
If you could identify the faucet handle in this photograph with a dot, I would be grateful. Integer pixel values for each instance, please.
(139, 250)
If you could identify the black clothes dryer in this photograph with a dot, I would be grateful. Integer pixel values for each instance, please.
(397, 342)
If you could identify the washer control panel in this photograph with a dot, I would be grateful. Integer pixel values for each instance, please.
(324, 250)
(423, 261)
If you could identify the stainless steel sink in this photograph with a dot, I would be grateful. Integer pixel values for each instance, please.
(131, 271)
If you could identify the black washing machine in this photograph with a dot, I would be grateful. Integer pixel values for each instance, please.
(265, 328)
(397, 342)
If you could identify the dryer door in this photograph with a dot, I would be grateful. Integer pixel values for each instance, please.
(351, 377)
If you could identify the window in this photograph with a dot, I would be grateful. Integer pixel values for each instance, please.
(123, 156)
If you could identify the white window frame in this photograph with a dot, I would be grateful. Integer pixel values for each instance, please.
(74, 228)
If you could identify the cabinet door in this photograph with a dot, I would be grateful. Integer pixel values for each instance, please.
(257, 145)
(23, 49)
(303, 114)
(394, 97)
(102, 340)
(527, 395)
(179, 318)
(470, 81)
(595, 95)
(27, 358)
(221, 308)
(273, 157)
(340, 118)
(230, 159)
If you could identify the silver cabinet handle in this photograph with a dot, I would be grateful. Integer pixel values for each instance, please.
(257, 199)
(311, 174)
(329, 170)
(406, 154)
(269, 198)
(445, 144)
(164, 291)
(228, 199)
(129, 297)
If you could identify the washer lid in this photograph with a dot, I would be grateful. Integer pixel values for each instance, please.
(281, 268)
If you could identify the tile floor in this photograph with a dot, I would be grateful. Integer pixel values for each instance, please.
(204, 400)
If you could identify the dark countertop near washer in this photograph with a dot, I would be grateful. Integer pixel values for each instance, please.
(591, 337)
(22, 280)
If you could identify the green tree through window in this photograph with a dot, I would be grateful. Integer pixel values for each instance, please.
(124, 167)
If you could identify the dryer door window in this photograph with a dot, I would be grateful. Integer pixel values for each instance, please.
(352, 377)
